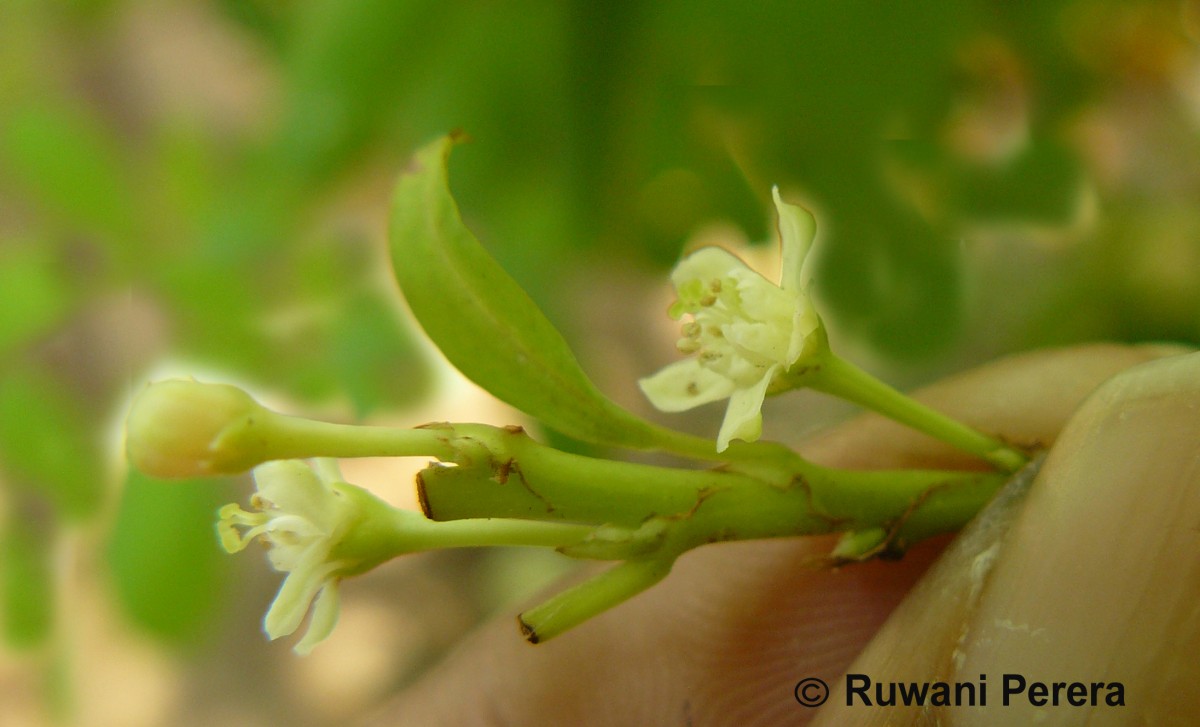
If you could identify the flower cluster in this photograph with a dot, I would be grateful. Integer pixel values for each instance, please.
(745, 331)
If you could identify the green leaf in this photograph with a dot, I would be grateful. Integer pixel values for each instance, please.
(72, 165)
(489, 328)
(47, 441)
(345, 66)
(1043, 184)
(373, 357)
(164, 557)
(28, 585)
(33, 293)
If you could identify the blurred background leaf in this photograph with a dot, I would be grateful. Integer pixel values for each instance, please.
(46, 444)
(28, 602)
(168, 571)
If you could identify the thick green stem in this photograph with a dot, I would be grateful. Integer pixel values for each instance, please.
(507, 474)
(898, 506)
(835, 375)
(914, 504)
(510, 475)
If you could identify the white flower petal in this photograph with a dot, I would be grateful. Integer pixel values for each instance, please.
(684, 385)
(797, 229)
(758, 341)
(743, 418)
(290, 605)
(292, 487)
(289, 556)
(804, 323)
(294, 527)
(763, 300)
(327, 469)
(324, 618)
(708, 263)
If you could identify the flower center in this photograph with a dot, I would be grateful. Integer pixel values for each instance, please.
(740, 324)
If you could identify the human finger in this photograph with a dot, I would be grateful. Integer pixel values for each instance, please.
(1090, 583)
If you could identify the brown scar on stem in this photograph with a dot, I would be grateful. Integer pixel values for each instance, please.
(803, 483)
(504, 469)
(1029, 448)
(440, 426)
(721, 536)
(510, 467)
(891, 547)
(527, 630)
(702, 495)
(423, 497)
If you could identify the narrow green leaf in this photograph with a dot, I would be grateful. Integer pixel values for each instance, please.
(489, 328)
(164, 558)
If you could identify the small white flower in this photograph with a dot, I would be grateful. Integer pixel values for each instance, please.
(302, 517)
(744, 330)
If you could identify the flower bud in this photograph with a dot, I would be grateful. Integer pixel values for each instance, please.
(183, 428)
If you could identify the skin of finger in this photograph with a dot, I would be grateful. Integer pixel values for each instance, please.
(725, 638)
(1094, 578)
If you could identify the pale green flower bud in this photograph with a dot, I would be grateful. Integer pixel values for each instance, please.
(183, 428)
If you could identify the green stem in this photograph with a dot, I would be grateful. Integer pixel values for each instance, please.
(524, 479)
(686, 445)
(583, 601)
(924, 509)
(288, 437)
(511, 475)
(705, 450)
(837, 376)
(480, 532)
(376, 532)
(899, 506)
(910, 504)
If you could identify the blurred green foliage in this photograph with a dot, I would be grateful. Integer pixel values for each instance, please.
(188, 180)
(166, 567)
(28, 584)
